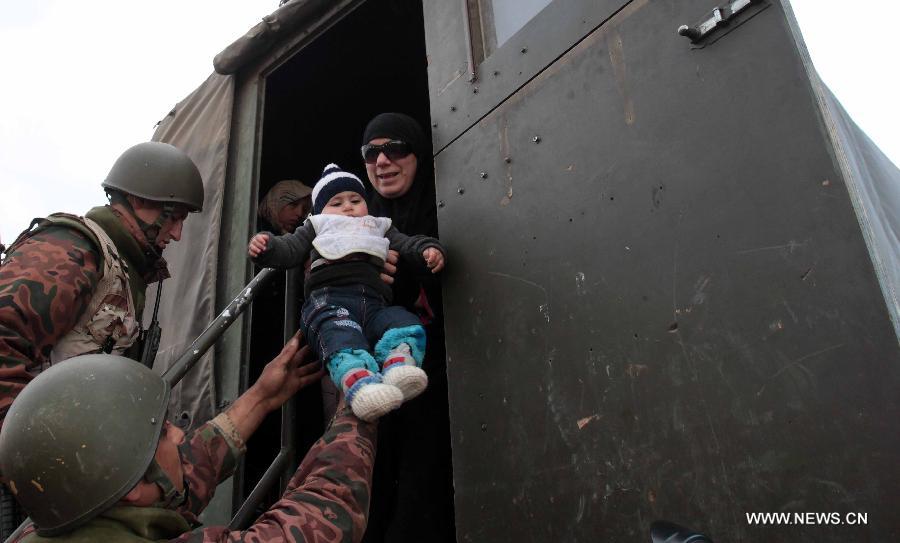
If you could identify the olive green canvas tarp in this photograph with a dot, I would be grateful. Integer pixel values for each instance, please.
(200, 125)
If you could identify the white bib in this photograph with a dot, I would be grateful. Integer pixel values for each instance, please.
(338, 236)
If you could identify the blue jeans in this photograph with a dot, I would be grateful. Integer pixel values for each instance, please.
(336, 319)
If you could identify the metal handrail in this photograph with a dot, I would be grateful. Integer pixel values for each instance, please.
(216, 328)
(285, 462)
(269, 478)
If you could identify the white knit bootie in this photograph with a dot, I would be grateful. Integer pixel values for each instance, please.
(368, 397)
(400, 370)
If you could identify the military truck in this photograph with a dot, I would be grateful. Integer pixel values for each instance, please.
(672, 281)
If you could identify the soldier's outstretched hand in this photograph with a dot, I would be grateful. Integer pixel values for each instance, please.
(290, 371)
(257, 245)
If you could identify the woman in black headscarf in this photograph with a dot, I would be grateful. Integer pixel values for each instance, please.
(399, 167)
(412, 496)
(408, 200)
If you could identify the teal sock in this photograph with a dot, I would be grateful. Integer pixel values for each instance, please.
(414, 336)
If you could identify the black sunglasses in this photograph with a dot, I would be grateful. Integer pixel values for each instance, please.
(394, 149)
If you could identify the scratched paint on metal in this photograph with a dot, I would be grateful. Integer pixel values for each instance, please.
(670, 313)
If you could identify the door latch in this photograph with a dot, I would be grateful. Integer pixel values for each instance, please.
(717, 18)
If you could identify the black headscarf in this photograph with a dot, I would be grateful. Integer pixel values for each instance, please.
(415, 212)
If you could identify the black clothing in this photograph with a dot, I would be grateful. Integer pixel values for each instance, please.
(412, 493)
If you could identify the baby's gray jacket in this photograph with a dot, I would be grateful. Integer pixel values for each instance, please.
(292, 250)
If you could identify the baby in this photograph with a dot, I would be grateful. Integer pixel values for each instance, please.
(347, 305)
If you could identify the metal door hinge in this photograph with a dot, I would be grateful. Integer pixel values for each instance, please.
(717, 18)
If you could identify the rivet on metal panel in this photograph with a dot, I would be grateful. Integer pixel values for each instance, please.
(483, 175)
(460, 190)
(452, 108)
(524, 50)
(152, 420)
(440, 203)
(536, 139)
(496, 73)
(433, 125)
(507, 159)
(484, 427)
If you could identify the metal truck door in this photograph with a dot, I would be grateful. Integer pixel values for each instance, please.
(659, 301)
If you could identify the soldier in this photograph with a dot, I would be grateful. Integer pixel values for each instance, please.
(73, 285)
(112, 479)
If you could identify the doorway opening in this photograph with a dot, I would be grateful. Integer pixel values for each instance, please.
(316, 107)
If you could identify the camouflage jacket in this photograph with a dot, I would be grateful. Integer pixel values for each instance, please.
(327, 500)
(47, 282)
(208, 457)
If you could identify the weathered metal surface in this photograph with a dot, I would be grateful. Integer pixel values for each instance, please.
(661, 304)
(455, 104)
(447, 51)
(874, 185)
(875, 192)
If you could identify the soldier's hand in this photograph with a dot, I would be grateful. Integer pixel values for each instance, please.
(390, 267)
(290, 371)
(257, 245)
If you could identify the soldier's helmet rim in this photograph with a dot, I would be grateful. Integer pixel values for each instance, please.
(80, 436)
(159, 172)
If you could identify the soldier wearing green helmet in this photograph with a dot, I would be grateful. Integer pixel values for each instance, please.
(71, 285)
(87, 452)
(157, 173)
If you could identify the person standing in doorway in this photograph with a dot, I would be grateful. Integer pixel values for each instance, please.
(413, 486)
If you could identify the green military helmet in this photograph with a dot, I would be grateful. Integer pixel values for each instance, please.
(159, 172)
(80, 436)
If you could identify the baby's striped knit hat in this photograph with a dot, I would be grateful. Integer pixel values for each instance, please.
(334, 181)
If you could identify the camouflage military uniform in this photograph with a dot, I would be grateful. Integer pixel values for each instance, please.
(47, 282)
(327, 500)
(209, 455)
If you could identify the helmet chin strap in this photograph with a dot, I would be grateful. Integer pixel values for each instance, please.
(171, 497)
(151, 230)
